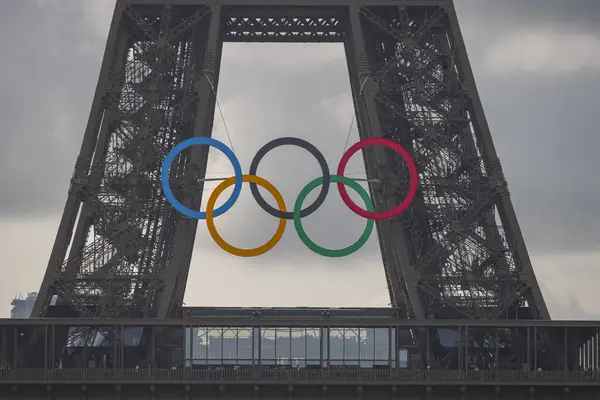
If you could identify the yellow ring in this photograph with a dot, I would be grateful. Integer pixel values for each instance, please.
(210, 224)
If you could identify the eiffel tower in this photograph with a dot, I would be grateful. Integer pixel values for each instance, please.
(122, 251)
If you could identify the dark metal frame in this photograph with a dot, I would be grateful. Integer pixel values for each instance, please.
(122, 252)
(579, 339)
(262, 380)
(341, 321)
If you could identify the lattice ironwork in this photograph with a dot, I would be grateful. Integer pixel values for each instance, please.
(123, 241)
(465, 263)
(276, 26)
(457, 252)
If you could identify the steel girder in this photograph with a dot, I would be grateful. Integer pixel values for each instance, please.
(457, 252)
(296, 318)
(126, 248)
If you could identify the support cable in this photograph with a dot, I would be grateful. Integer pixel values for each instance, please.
(214, 91)
(360, 92)
(362, 87)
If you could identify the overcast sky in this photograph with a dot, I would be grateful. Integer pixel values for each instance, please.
(537, 66)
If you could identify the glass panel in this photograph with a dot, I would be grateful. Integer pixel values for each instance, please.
(244, 346)
(188, 346)
(290, 347)
(336, 346)
(382, 346)
(229, 340)
(267, 343)
(282, 346)
(351, 346)
(313, 347)
(132, 336)
(325, 353)
(405, 337)
(200, 345)
(448, 337)
(403, 358)
(214, 345)
(298, 344)
(256, 345)
(367, 347)
(393, 344)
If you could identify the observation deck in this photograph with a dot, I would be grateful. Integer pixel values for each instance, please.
(267, 352)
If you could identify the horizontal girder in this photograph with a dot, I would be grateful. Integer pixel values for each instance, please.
(314, 4)
(299, 320)
(296, 342)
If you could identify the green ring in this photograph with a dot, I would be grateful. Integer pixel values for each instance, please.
(302, 233)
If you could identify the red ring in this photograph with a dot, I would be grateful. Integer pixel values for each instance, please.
(412, 168)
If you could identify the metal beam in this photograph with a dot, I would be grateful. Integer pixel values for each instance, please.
(208, 63)
(289, 3)
(84, 161)
(304, 322)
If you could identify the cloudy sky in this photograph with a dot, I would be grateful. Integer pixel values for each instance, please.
(537, 65)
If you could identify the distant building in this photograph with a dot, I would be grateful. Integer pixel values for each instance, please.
(22, 305)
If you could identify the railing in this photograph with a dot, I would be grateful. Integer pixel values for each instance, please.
(406, 377)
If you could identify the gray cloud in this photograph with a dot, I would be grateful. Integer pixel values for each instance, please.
(542, 123)
(48, 74)
(545, 133)
(578, 14)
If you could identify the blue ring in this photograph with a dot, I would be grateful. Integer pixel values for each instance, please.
(237, 188)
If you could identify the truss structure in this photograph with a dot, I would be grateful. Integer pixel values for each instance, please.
(122, 251)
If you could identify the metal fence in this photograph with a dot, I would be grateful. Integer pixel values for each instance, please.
(320, 376)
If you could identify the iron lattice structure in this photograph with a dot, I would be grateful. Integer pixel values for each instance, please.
(122, 251)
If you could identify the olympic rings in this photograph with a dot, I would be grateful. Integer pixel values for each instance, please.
(237, 168)
(210, 224)
(298, 213)
(302, 233)
(412, 189)
(312, 150)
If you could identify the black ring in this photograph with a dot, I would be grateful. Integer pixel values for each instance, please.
(290, 141)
